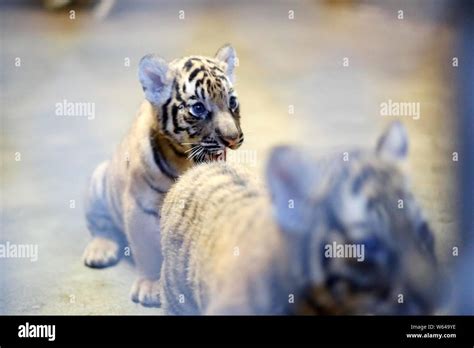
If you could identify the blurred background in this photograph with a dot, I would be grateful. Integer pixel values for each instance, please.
(310, 72)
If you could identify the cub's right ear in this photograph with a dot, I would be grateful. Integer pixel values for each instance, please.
(289, 176)
(154, 76)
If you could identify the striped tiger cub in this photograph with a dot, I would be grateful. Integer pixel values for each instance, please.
(190, 114)
(232, 246)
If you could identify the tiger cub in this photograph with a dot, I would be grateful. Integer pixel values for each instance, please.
(231, 246)
(191, 114)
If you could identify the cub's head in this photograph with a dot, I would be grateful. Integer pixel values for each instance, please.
(197, 106)
(356, 230)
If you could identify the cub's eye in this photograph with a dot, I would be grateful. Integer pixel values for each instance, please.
(233, 102)
(199, 110)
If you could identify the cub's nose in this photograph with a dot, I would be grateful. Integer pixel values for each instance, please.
(229, 141)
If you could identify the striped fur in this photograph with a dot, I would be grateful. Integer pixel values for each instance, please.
(167, 137)
(232, 246)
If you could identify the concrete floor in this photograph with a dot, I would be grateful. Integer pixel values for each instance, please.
(283, 63)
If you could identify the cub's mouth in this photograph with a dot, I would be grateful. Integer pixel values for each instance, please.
(212, 150)
(220, 155)
(201, 154)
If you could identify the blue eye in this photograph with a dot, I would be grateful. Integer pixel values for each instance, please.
(199, 110)
(233, 102)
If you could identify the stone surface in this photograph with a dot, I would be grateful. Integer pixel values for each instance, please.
(283, 63)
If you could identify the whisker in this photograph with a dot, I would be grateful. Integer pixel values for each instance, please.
(199, 156)
(199, 153)
(194, 151)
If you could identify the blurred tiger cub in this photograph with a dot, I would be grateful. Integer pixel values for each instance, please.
(191, 114)
(232, 247)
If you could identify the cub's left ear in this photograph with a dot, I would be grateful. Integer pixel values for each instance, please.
(154, 76)
(393, 144)
(228, 56)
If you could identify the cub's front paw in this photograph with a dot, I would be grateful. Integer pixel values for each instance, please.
(101, 252)
(147, 292)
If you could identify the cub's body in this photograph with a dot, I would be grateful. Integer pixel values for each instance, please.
(219, 239)
(232, 246)
(191, 114)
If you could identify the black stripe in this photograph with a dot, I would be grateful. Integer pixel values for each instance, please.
(214, 68)
(174, 116)
(154, 188)
(200, 93)
(199, 82)
(193, 75)
(160, 162)
(178, 93)
(164, 114)
(158, 157)
(144, 209)
(164, 118)
(189, 63)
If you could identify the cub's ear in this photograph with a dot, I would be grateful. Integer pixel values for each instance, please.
(154, 76)
(227, 55)
(393, 144)
(289, 180)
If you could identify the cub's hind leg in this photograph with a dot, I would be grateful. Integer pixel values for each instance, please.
(104, 248)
